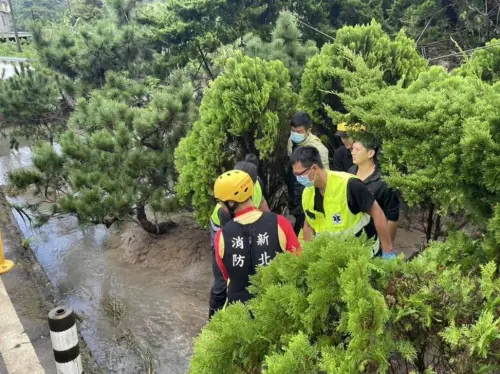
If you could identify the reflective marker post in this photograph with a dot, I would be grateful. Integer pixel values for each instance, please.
(64, 337)
(5, 265)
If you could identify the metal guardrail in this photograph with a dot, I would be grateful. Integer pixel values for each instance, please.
(13, 59)
(10, 35)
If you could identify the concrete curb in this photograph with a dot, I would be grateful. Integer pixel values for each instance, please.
(33, 275)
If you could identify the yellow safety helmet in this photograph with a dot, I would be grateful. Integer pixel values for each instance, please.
(346, 130)
(234, 185)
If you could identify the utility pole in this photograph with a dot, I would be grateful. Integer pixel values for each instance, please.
(70, 13)
(15, 27)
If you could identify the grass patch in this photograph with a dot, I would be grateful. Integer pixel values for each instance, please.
(148, 359)
(114, 308)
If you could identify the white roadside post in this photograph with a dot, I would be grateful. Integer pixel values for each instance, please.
(64, 337)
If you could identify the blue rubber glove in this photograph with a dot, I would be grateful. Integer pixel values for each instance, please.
(389, 256)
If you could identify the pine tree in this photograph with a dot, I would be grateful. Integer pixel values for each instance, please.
(32, 105)
(322, 19)
(27, 11)
(87, 11)
(84, 53)
(185, 31)
(286, 46)
(437, 26)
(245, 110)
(117, 157)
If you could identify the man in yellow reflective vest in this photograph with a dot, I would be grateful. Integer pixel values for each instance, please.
(301, 136)
(220, 216)
(338, 202)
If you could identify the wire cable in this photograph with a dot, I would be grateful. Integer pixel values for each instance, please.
(467, 51)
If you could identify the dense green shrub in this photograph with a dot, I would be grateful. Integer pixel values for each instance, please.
(332, 310)
(321, 81)
(441, 140)
(484, 63)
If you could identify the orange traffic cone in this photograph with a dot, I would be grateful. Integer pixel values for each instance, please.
(5, 265)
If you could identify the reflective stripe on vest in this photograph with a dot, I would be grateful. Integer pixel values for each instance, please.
(213, 225)
(337, 217)
(256, 199)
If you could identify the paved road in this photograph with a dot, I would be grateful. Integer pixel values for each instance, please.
(18, 354)
(9, 70)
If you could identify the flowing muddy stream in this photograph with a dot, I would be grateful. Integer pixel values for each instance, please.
(132, 316)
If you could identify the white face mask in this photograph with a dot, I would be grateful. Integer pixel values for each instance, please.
(297, 137)
(305, 181)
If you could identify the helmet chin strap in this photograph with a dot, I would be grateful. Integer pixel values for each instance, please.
(231, 209)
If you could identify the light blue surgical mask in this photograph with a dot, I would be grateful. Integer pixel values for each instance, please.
(297, 137)
(304, 180)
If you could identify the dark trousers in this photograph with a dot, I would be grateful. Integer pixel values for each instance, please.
(295, 190)
(218, 293)
(300, 217)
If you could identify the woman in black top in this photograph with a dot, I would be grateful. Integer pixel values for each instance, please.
(366, 168)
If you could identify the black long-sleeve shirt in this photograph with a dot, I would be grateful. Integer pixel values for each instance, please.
(342, 159)
(386, 197)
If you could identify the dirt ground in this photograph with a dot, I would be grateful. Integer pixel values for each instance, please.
(188, 245)
(183, 247)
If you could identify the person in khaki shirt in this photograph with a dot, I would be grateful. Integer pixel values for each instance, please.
(301, 136)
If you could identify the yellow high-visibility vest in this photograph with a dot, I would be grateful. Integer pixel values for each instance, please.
(337, 217)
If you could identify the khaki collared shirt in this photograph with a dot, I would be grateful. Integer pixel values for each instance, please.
(312, 141)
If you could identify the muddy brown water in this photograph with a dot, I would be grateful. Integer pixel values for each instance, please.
(131, 316)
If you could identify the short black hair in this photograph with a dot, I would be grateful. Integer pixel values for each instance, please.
(369, 141)
(249, 168)
(307, 156)
(301, 119)
(250, 157)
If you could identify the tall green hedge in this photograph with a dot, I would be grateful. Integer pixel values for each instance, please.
(321, 81)
(246, 109)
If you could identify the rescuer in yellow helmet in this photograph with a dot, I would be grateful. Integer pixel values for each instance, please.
(220, 216)
(250, 239)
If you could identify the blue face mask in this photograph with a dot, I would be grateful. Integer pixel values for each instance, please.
(297, 137)
(304, 180)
